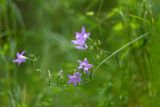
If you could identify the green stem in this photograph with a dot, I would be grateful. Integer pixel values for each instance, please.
(106, 59)
(114, 53)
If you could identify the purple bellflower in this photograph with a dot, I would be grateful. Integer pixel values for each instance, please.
(81, 38)
(75, 78)
(84, 65)
(20, 58)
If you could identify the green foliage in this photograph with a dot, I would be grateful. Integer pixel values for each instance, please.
(45, 28)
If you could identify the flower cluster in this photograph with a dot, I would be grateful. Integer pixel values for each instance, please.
(84, 66)
(81, 38)
(76, 78)
(80, 43)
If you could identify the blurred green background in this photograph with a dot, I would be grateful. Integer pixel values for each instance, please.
(45, 28)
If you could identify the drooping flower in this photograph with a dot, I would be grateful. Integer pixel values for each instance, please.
(81, 38)
(75, 78)
(20, 58)
(84, 65)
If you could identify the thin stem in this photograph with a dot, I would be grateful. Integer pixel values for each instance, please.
(100, 7)
(106, 59)
(71, 85)
(114, 53)
(38, 70)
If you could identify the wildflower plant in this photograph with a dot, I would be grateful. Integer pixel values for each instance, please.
(84, 71)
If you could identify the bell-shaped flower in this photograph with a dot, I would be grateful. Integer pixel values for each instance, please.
(20, 58)
(84, 65)
(81, 38)
(74, 79)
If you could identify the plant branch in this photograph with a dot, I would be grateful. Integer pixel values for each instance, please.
(114, 53)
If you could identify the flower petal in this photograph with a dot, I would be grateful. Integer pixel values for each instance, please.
(16, 60)
(18, 54)
(83, 30)
(23, 52)
(81, 47)
(75, 42)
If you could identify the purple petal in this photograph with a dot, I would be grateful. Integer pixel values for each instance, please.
(81, 47)
(75, 83)
(16, 60)
(85, 60)
(86, 69)
(77, 74)
(18, 54)
(23, 52)
(75, 79)
(80, 67)
(79, 80)
(83, 30)
(23, 59)
(86, 35)
(78, 35)
(75, 42)
(89, 66)
(69, 76)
